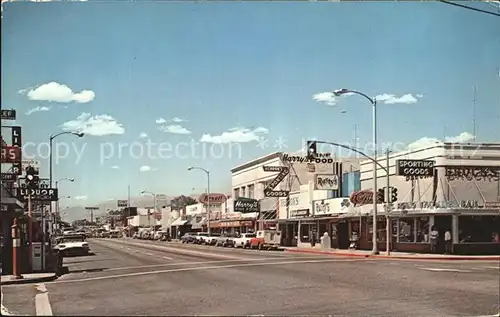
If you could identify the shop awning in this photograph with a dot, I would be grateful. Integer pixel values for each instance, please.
(197, 222)
(179, 222)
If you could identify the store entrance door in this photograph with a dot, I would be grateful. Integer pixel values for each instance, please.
(343, 235)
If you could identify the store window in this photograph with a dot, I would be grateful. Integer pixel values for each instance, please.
(381, 232)
(307, 231)
(478, 229)
(422, 224)
(236, 192)
(406, 230)
(251, 190)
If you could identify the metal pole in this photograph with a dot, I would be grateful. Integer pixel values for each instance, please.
(57, 211)
(129, 212)
(374, 226)
(30, 232)
(16, 245)
(388, 227)
(208, 202)
(154, 214)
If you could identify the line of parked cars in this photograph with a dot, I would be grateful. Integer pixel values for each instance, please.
(152, 235)
(262, 240)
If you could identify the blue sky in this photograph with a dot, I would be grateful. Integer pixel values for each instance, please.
(254, 71)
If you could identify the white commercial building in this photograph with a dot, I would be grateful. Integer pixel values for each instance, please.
(451, 186)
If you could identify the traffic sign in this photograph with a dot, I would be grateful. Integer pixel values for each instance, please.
(40, 194)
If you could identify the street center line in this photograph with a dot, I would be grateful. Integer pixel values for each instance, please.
(198, 268)
(42, 303)
(167, 258)
(147, 253)
(444, 270)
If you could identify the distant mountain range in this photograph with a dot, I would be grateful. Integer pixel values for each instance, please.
(78, 212)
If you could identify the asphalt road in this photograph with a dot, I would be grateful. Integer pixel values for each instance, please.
(133, 277)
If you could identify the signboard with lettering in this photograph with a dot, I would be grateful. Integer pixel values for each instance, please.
(8, 114)
(299, 213)
(331, 206)
(418, 168)
(216, 199)
(38, 194)
(462, 204)
(470, 173)
(8, 177)
(11, 154)
(326, 182)
(246, 205)
(283, 171)
(362, 197)
(122, 203)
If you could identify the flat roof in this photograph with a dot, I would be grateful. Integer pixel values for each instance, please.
(445, 145)
(256, 161)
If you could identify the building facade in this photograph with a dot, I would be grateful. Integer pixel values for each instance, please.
(452, 187)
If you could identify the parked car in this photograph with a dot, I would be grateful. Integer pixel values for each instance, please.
(189, 238)
(243, 240)
(225, 240)
(72, 245)
(201, 237)
(212, 239)
(136, 235)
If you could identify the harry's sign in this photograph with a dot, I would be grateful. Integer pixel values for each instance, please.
(245, 205)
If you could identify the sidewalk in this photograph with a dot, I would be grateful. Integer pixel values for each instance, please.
(393, 255)
(28, 278)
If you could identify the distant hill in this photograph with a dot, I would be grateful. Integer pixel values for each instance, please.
(79, 212)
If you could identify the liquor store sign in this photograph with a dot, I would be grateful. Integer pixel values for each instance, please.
(39, 194)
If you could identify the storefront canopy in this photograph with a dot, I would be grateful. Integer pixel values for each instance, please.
(179, 222)
(197, 222)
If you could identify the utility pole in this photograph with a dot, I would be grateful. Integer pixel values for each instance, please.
(474, 132)
(388, 208)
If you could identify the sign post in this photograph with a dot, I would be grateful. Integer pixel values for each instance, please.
(16, 245)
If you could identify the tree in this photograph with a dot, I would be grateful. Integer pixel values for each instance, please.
(182, 201)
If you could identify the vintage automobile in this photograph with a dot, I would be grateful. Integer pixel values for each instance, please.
(72, 245)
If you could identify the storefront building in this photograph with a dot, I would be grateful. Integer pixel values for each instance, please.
(10, 208)
(452, 187)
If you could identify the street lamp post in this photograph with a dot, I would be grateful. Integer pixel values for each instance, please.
(56, 215)
(373, 101)
(208, 193)
(154, 209)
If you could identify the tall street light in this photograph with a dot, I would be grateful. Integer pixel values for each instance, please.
(57, 202)
(154, 209)
(208, 193)
(52, 137)
(373, 101)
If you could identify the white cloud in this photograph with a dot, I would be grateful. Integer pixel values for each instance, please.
(80, 197)
(178, 120)
(325, 97)
(37, 109)
(115, 167)
(144, 168)
(391, 99)
(463, 137)
(236, 135)
(98, 125)
(177, 129)
(160, 121)
(56, 92)
(143, 135)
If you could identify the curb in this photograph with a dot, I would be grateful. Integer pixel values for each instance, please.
(402, 257)
(30, 280)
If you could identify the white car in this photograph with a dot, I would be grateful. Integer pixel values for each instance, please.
(243, 241)
(72, 245)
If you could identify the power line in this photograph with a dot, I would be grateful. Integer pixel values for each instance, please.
(469, 8)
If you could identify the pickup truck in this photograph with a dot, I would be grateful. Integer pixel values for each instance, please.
(243, 240)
